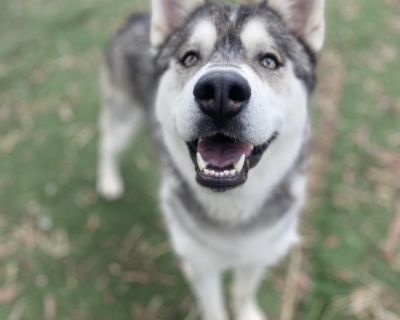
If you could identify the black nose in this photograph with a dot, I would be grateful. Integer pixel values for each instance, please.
(222, 95)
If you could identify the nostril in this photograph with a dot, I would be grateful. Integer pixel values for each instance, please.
(239, 92)
(204, 92)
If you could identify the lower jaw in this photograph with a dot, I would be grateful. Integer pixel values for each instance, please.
(222, 184)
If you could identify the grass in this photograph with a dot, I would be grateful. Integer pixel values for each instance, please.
(66, 254)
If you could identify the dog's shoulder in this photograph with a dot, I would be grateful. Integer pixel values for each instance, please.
(132, 37)
(130, 58)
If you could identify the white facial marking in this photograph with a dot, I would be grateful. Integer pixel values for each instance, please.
(204, 34)
(255, 34)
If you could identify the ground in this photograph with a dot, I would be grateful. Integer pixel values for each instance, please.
(66, 254)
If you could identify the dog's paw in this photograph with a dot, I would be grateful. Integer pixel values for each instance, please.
(110, 187)
(250, 312)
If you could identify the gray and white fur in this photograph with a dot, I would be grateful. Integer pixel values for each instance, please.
(245, 220)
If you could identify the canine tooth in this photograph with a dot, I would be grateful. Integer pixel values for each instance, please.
(232, 172)
(200, 162)
(239, 165)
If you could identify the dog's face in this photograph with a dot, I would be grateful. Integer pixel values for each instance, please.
(237, 80)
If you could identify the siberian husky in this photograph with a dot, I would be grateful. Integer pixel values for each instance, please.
(225, 90)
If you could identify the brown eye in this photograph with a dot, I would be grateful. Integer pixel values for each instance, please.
(270, 61)
(190, 59)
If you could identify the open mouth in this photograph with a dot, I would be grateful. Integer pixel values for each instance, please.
(223, 163)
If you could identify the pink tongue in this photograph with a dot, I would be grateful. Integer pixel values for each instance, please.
(222, 152)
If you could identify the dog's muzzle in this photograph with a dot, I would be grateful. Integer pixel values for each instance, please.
(221, 154)
(222, 158)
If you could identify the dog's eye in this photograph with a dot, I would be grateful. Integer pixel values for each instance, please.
(190, 59)
(270, 61)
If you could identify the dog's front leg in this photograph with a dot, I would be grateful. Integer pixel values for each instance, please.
(244, 295)
(119, 120)
(206, 284)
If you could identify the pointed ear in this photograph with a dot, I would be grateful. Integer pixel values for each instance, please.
(305, 18)
(168, 16)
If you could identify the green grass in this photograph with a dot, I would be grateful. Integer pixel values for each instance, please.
(95, 260)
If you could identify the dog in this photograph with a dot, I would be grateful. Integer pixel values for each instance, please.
(224, 89)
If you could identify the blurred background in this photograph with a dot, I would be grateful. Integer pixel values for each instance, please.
(66, 254)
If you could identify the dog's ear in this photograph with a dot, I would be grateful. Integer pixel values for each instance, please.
(168, 16)
(305, 18)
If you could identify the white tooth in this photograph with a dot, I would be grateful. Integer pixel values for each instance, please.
(207, 172)
(217, 174)
(239, 165)
(226, 173)
(200, 162)
(212, 173)
(232, 172)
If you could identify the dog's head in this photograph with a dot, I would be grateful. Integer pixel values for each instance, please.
(236, 80)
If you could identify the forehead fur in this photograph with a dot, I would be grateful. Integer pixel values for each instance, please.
(254, 35)
(204, 33)
(235, 29)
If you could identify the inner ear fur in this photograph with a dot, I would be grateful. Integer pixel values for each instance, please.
(305, 18)
(168, 16)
